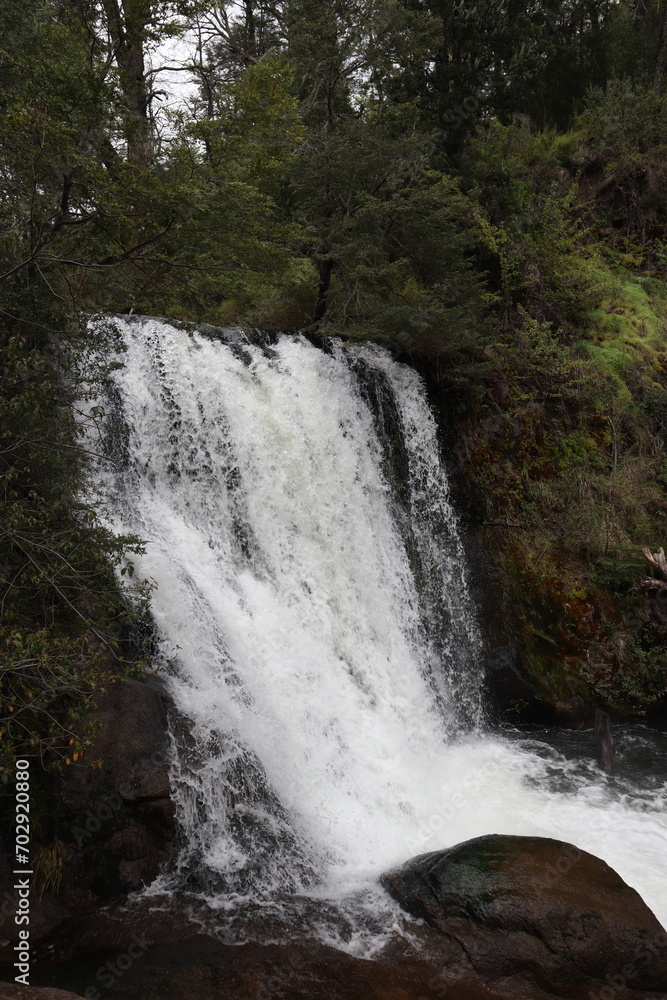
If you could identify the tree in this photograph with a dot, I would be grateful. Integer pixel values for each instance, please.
(128, 23)
(362, 184)
(661, 59)
(515, 59)
(230, 38)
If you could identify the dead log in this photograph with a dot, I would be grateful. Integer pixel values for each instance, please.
(604, 742)
(657, 563)
(655, 585)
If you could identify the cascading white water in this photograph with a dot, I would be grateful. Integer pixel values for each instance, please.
(315, 628)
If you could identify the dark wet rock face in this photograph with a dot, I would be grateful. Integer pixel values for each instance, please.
(115, 825)
(512, 695)
(133, 744)
(118, 824)
(538, 915)
(508, 693)
(169, 949)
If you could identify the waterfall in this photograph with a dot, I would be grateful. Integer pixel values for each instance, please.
(314, 623)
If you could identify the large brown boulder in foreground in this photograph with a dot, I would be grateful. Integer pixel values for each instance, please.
(537, 917)
(13, 991)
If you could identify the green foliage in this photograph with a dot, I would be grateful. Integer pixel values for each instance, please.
(48, 865)
(624, 143)
(568, 440)
(531, 216)
(545, 369)
(61, 609)
(97, 229)
(627, 671)
(230, 244)
(493, 62)
(633, 34)
(566, 454)
(400, 241)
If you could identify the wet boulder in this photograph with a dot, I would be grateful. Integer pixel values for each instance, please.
(539, 916)
(12, 991)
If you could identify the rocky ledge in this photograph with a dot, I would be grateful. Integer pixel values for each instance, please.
(499, 918)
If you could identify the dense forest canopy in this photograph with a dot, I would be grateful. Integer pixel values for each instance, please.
(325, 138)
(480, 185)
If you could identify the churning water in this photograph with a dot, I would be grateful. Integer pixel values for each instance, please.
(316, 631)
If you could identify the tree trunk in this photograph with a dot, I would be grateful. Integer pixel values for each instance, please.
(325, 264)
(325, 269)
(655, 585)
(661, 61)
(250, 34)
(604, 742)
(127, 22)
